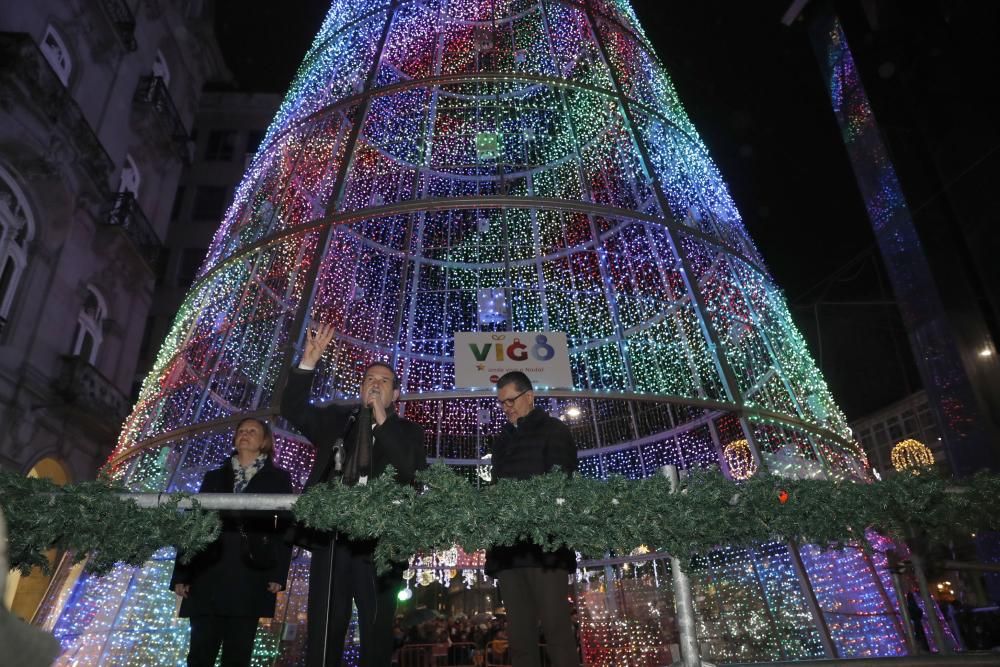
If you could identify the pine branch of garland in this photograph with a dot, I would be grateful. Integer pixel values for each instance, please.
(594, 517)
(89, 519)
(617, 515)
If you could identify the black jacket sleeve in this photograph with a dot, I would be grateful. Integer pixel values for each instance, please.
(404, 447)
(560, 450)
(320, 424)
(295, 406)
(184, 573)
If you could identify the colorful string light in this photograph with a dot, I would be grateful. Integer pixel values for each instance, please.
(478, 165)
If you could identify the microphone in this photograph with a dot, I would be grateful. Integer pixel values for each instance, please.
(338, 455)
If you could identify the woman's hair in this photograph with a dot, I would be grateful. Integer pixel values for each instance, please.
(268, 447)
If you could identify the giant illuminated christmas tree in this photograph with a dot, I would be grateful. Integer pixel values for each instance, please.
(443, 166)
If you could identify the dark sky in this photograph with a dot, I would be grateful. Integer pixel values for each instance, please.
(752, 88)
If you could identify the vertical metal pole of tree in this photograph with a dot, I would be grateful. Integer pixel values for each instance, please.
(300, 324)
(829, 648)
(881, 589)
(930, 609)
(683, 604)
(904, 612)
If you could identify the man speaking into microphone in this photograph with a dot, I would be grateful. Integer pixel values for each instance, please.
(354, 443)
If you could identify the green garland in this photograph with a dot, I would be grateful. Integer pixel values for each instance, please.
(594, 517)
(88, 519)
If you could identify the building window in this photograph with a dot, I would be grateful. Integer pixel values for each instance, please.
(130, 177)
(209, 202)
(221, 145)
(147, 337)
(90, 326)
(54, 49)
(160, 268)
(17, 228)
(161, 69)
(175, 211)
(895, 429)
(8, 284)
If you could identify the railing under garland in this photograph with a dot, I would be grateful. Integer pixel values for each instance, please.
(106, 525)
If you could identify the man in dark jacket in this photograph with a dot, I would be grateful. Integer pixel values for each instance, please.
(354, 443)
(230, 585)
(534, 584)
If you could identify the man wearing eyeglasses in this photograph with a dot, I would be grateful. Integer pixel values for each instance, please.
(534, 584)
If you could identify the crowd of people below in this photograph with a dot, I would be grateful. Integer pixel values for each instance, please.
(480, 641)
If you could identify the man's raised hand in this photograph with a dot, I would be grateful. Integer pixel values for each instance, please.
(317, 340)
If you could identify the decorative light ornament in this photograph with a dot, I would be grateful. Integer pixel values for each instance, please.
(447, 558)
(740, 459)
(485, 470)
(911, 455)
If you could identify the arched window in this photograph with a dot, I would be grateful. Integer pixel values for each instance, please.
(130, 177)
(25, 592)
(54, 49)
(90, 326)
(17, 228)
(161, 69)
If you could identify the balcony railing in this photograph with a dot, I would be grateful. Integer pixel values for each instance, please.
(152, 93)
(27, 77)
(126, 216)
(123, 20)
(83, 385)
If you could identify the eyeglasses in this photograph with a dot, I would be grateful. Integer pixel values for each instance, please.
(509, 402)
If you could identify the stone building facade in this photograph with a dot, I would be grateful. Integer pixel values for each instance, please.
(96, 103)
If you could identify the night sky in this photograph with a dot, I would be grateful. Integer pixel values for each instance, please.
(752, 88)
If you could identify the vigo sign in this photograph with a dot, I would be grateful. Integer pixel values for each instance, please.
(481, 358)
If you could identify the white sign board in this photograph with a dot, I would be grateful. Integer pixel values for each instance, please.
(482, 357)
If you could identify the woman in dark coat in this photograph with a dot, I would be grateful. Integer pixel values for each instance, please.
(231, 584)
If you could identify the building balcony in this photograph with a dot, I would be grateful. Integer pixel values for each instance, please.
(123, 20)
(28, 81)
(126, 216)
(152, 95)
(83, 386)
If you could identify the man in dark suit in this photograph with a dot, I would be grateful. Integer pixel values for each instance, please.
(354, 443)
(534, 584)
(230, 585)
